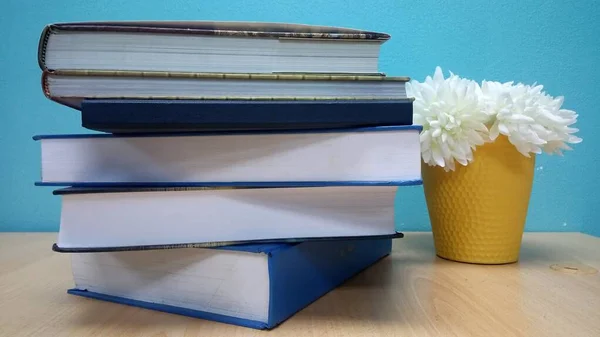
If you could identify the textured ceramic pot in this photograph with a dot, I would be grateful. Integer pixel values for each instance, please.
(478, 212)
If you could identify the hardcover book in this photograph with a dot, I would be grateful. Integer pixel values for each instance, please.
(379, 156)
(208, 46)
(133, 116)
(71, 87)
(255, 286)
(108, 219)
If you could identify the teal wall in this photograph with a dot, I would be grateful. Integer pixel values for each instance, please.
(554, 43)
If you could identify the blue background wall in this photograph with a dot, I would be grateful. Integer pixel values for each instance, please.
(554, 43)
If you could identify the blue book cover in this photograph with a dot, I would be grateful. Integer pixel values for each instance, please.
(131, 116)
(258, 286)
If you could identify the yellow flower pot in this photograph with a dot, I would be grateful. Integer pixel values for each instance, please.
(478, 211)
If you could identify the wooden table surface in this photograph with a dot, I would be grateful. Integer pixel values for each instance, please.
(409, 293)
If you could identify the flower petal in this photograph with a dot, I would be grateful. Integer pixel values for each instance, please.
(437, 157)
(503, 128)
(494, 132)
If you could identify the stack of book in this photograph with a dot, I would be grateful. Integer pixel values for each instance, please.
(236, 171)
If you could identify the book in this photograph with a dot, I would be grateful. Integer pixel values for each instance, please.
(70, 87)
(254, 286)
(148, 115)
(378, 155)
(96, 219)
(217, 244)
(208, 46)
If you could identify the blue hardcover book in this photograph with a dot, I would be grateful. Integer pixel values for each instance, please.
(130, 116)
(110, 219)
(386, 155)
(256, 286)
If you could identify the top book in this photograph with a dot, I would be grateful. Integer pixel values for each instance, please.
(209, 46)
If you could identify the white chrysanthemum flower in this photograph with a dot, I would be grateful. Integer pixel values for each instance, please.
(451, 113)
(532, 120)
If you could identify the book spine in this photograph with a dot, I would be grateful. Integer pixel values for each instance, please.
(45, 86)
(124, 116)
(70, 102)
(42, 47)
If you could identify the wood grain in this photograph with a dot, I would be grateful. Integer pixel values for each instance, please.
(410, 293)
